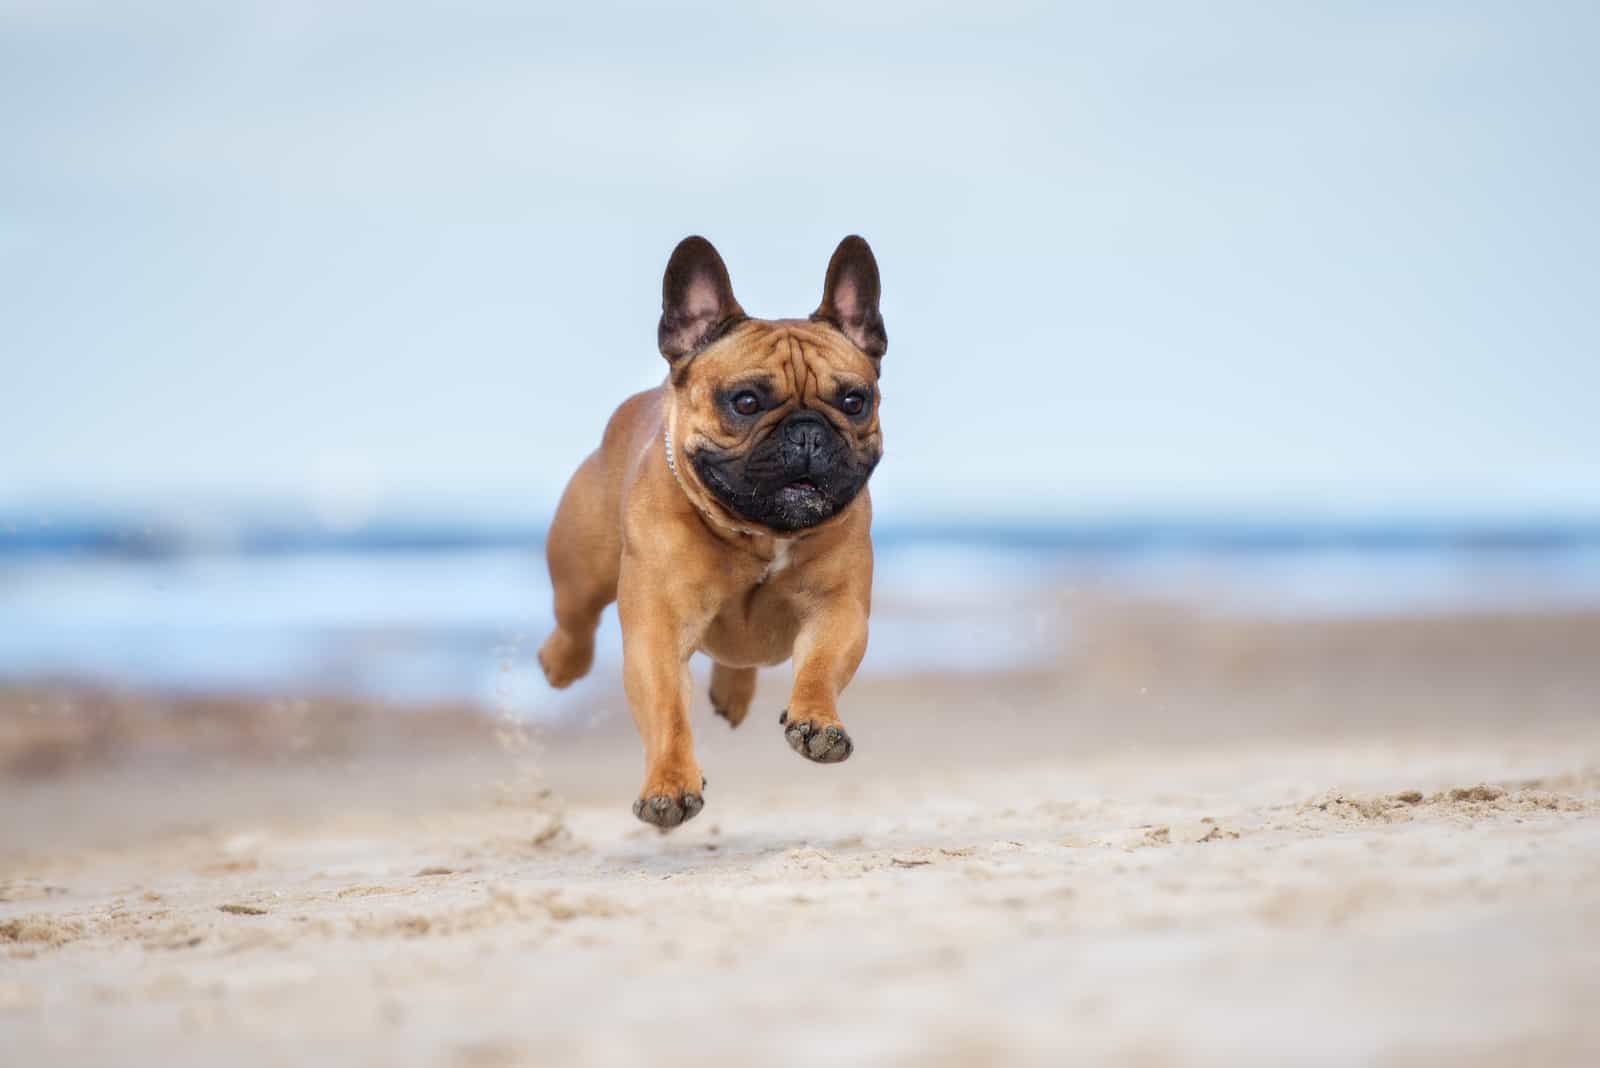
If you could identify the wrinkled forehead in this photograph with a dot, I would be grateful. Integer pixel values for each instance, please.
(793, 355)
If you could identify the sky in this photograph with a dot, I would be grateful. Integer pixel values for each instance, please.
(1227, 258)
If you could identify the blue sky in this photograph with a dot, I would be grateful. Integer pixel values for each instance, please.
(1266, 257)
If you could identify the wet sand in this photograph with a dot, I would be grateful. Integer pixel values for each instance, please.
(1196, 841)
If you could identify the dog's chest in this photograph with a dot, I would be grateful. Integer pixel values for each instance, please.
(780, 559)
(758, 625)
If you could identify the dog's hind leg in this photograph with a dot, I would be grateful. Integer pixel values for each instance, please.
(584, 551)
(732, 690)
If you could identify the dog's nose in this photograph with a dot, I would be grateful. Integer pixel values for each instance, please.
(806, 431)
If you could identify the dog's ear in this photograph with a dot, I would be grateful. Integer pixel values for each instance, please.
(850, 297)
(697, 303)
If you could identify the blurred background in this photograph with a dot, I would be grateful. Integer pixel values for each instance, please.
(1231, 695)
(1267, 312)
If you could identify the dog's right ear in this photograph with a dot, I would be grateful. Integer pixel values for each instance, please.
(697, 304)
(850, 297)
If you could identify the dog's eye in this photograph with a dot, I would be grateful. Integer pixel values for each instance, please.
(853, 403)
(746, 403)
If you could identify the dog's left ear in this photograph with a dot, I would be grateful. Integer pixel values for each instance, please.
(697, 304)
(850, 297)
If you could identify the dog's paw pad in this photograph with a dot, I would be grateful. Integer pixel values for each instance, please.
(825, 745)
(666, 812)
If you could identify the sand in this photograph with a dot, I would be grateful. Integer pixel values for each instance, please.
(1285, 861)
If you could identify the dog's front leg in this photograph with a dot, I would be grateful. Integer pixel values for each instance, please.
(659, 632)
(827, 652)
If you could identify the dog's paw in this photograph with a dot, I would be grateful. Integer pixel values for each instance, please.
(825, 744)
(734, 716)
(731, 692)
(665, 806)
(565, 659)
(666, 811)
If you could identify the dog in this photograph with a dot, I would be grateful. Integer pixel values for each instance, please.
(726, 512)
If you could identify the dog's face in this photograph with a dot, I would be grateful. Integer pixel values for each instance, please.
(777, 418)
(783, 420)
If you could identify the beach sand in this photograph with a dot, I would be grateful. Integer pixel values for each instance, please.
(1195, 841)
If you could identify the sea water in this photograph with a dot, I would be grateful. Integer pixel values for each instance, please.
(459, 618)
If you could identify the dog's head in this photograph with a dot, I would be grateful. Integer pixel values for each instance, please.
(777, 418)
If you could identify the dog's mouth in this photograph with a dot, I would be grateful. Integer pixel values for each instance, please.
(801, 490)
(792, 500)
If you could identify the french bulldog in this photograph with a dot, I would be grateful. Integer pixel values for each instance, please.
(726, 512)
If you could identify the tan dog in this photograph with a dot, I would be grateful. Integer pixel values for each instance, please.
(726, 511)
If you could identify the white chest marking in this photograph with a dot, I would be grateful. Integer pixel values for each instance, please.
(780, 558)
